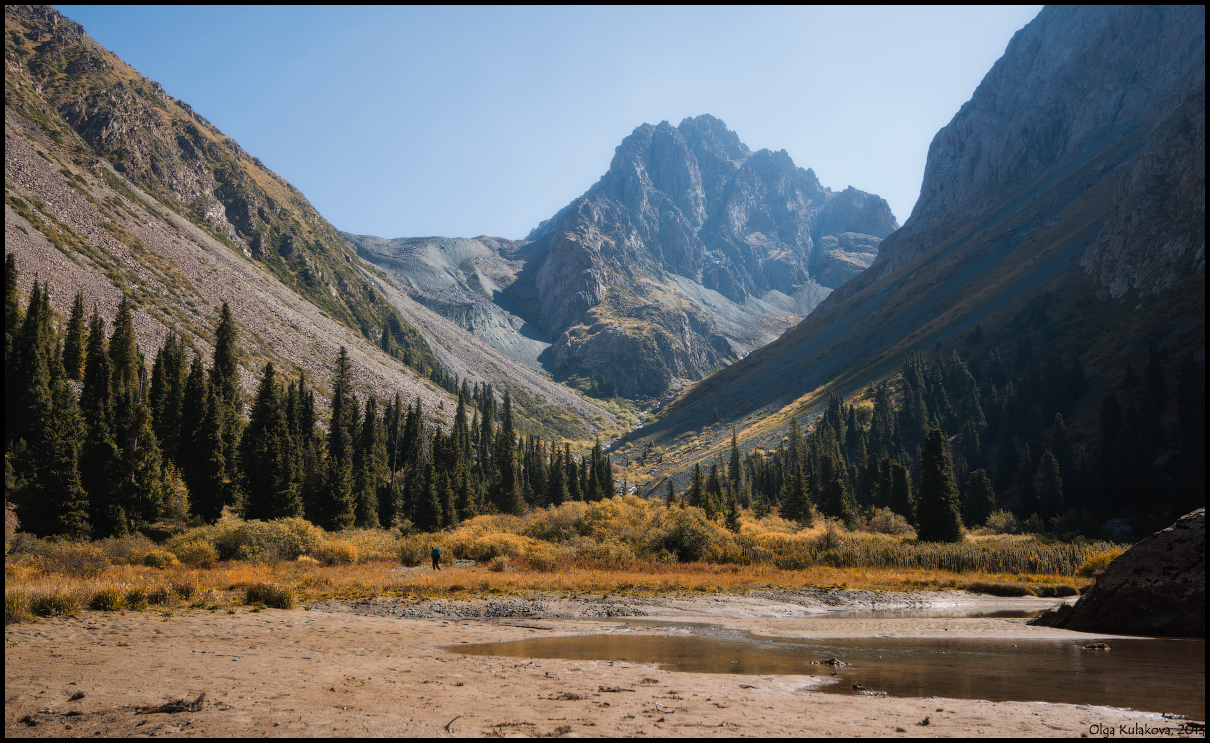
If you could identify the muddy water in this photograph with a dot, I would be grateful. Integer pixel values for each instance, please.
(1144, 674)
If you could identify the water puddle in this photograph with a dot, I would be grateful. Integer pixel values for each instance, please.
(1153, 675)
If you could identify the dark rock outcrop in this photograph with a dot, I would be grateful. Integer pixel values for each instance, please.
(1157, 587)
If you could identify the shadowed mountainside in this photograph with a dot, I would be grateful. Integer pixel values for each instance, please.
(1076, 172)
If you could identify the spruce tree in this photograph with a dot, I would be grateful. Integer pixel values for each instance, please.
(63, 491)
(937, 502)
(795, 504)
(124, 355)
(428, 505)
(732, 515)
(556, 480)
(980, 499)
(208, 490)
(508, 497)
(27, 387)
(735, 472)
(371, 474)
(99, 460)
(189, 455)
(337, 506)
(267, 451)
(1050, 486)
(697, 487)
(75, 339)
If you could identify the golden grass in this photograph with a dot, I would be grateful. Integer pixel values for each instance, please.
(620, 545)
(236, 582)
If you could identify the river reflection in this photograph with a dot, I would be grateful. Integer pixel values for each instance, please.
(1145, 674)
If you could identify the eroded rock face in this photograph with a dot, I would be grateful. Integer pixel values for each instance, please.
(1158, 587)
(1157, 230)
(1063, 90)
(691, 202)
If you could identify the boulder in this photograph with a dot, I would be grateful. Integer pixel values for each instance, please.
(1157, 587)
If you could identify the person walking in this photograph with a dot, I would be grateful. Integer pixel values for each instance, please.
(436, 554)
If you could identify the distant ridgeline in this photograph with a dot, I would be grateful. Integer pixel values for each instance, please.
(135, 446)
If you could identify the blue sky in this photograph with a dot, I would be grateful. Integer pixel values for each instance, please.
(403, 122)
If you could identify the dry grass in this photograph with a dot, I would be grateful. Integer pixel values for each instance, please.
(622, 545)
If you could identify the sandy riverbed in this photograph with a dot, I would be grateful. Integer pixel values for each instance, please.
(383, 668)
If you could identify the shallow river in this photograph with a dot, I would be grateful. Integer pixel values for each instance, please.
(1154, 675)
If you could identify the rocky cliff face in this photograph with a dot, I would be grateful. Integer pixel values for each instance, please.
(757, 236)
(1076, 170)
(1156, 232)
(463, 280)
(1066, 88)
(1158, 587)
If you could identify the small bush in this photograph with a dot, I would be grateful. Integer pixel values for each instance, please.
(108, 599)
(159, 559)
(196, 553)
(306, 560)
(136, 598)
(336, 553)
(541, 558)
(55, 603)
(1003, 522)
(499, 563)
(160, 596)
(1060, 590)
(128, 550)
(413, 552)
(271, 595)
(886, 521)
(208, 599)
(253, 553)
(185, 588)
(77, 560)
(1094, 566)
(281, 539)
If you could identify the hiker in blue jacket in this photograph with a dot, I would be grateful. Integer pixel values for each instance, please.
(436, 554)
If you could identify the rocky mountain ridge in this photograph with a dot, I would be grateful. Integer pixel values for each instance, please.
(1074, 175)
(690, 252)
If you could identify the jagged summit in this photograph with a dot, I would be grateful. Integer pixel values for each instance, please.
(708, 248)
(689, 252)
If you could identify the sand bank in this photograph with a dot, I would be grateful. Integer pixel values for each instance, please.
(383, 668)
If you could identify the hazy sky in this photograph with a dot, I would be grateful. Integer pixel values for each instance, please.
(405, 122)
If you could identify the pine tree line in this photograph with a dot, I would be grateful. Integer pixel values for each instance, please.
(955, 439)
(97, 444)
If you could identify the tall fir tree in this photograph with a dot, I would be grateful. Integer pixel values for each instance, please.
(268, 456)
(937, 513)
(208, 490)
(63, 490)
(337, 505)
(75, 340)
(979, 500)
(1050, 486)
(508, 496)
